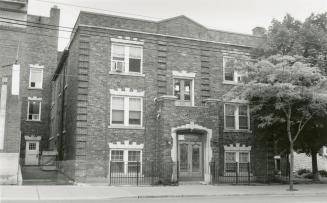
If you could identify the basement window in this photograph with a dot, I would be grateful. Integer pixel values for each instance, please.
(125, 161)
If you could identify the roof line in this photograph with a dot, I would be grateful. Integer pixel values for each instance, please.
(163, 20)
(165, 35)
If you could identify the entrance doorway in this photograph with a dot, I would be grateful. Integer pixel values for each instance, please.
(32, 150)
(190, 156)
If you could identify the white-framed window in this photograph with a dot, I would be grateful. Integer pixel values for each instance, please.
(183, 88)
(236, 161)
(126, 58)
(32, 146)
(237, 116)
(125, 161)
(36, 77)
(34, 110)
(126, 111)
(232, 69)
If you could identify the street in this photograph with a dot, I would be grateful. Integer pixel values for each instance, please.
(223, 199)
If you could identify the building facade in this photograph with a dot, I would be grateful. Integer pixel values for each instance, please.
(28, 58)
(129, 90)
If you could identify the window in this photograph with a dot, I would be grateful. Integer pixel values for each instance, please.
(32, 146)
(34, 110)
(117, 106)
(237, 161)
(126, 58)
(36, 78)
(117, 161)
(183, 90)
(237, 117)
(232, 69)
(125, 161)
(126, 111)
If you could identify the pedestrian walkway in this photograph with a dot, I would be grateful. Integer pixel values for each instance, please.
(34, 175)
(112, 192)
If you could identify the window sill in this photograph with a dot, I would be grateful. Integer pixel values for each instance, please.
(237, 131)
(35, 88)
(226, 82)
(129, 175)
(125, 127)
(127, 74)
(39, 121)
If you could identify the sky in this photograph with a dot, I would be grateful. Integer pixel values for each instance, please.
(229, 15)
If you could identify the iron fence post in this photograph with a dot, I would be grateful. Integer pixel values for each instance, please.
(237, 168)
(109, 172)
(152, 173)
(249, 174)
(137, 173)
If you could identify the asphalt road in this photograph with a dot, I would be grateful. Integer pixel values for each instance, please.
(222, 199)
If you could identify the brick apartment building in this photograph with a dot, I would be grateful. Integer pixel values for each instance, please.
(129, 90)
(28, 58)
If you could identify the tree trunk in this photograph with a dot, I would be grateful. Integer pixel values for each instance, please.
(291, 165)
(315, 172)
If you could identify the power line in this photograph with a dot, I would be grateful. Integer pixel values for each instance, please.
(99, 9)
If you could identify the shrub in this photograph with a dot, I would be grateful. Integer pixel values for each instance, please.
(323, 173)
(308, 176)
(303, 171)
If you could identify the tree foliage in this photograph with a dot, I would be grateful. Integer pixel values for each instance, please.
(282, 94)
(293, 37)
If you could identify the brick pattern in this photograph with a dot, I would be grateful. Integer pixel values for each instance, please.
(88, 125)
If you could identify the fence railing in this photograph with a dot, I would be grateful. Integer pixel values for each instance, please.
(232, 173)
(140, 173)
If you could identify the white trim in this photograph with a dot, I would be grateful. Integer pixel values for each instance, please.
(28, 108)
(36, 67)
(237, 147)
(32, 138)
(180, 102)
(127, 41)
(127, 92)
(3, 108)
(183, 74)
(15, 80)
(236, 115)
(207, 148)
(127, 74)
(34, 98)
(125, 145)
(126, 112)
(126, 58)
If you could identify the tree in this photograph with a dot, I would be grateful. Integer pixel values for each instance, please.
(293, 37)
(280, 90)
(307, 39)
(314, 137)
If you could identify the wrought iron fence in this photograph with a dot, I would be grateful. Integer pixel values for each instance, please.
(140, 173)
(233, 173)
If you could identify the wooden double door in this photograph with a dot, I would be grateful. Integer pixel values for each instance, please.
(190, 155)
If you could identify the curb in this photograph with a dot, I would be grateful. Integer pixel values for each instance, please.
(218, 195)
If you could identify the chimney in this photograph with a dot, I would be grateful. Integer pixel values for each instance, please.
(258, 31)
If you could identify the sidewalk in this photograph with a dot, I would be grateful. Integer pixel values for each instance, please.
(112, 192)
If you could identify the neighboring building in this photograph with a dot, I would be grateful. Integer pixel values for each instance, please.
(28, 58)
(129, 90)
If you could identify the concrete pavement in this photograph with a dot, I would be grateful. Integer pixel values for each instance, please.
(112, 192)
